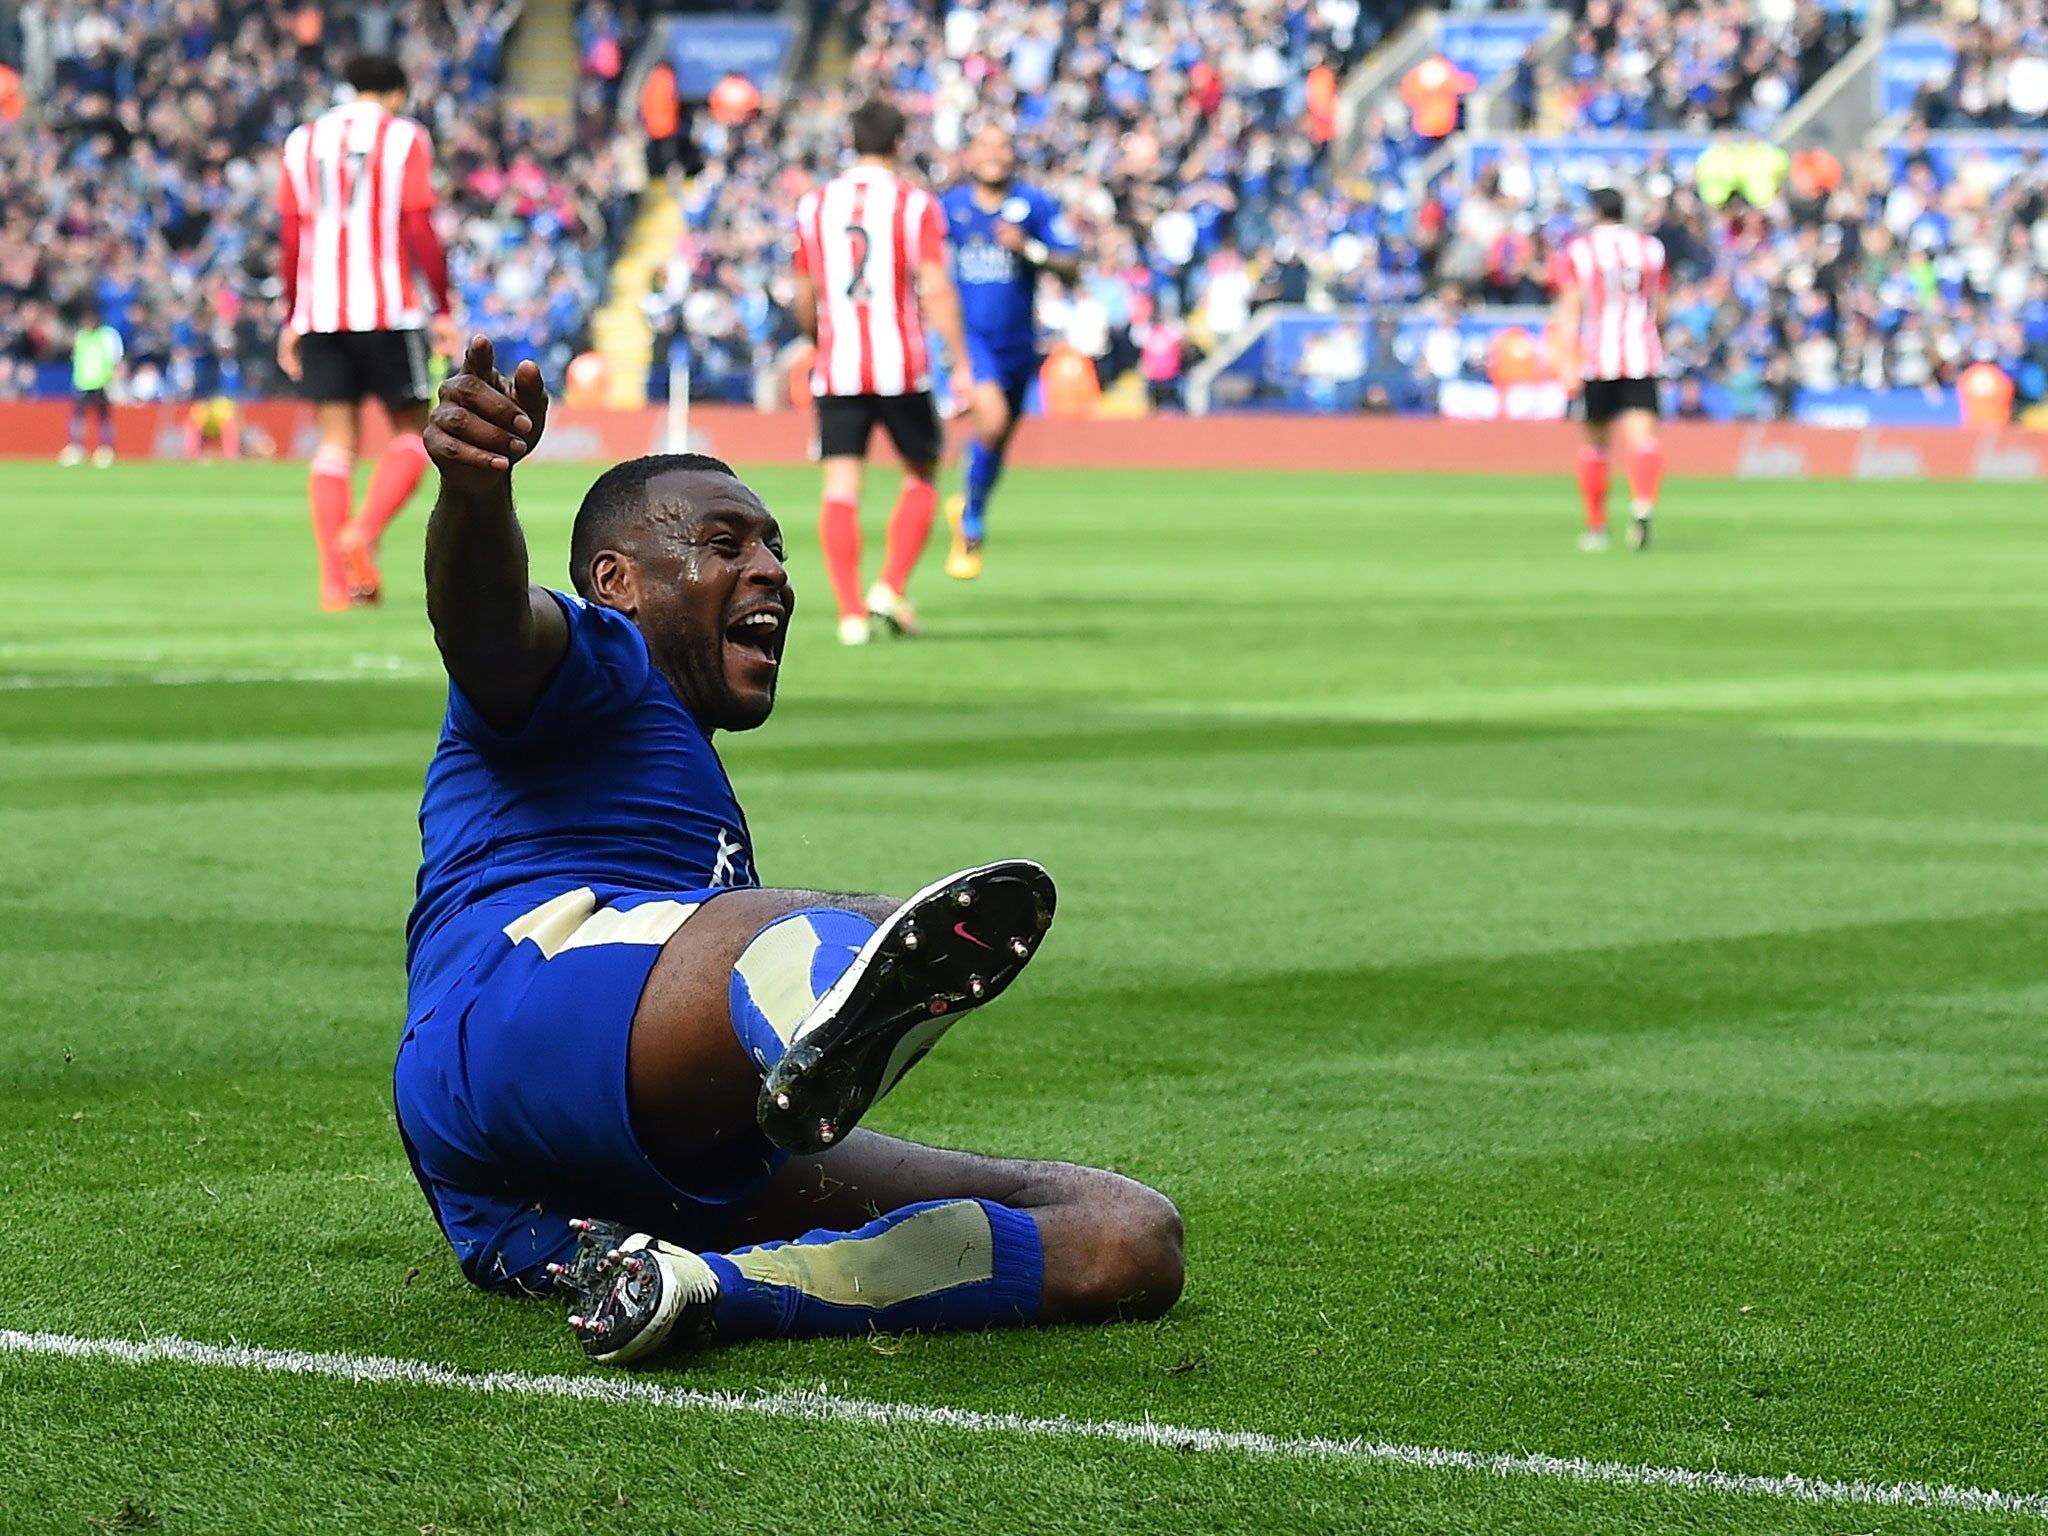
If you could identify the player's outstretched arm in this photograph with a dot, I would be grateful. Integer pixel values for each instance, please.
(501, 637)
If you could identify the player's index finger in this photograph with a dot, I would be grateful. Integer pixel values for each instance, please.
(481, 358)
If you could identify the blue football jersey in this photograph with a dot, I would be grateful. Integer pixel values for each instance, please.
(997, 285)
(611, 784)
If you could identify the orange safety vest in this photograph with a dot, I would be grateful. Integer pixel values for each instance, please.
(659, 113)
(1986, 394)
(1322, 104)
(734, 99)
(1432, 89)
(1511, 358)
(1070, 385)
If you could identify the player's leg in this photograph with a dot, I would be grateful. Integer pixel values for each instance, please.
(1642, 457)
(102, 429)
(1111, 1247)
(912, 422)
(816, 1005)
(991, 419)
(329, 489)
(881, 1235)
(74, 446)
(397, 360)
(1592, 466)
(844, 425)
(791, 1012)
(330, 379)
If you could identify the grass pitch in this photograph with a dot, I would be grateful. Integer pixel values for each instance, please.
(1582, 1005)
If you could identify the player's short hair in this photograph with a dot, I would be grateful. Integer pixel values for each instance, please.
(617, 498)
(373, 74)
(1607, 202)
(877, 128)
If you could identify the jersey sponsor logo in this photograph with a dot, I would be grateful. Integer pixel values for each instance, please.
(983, 261)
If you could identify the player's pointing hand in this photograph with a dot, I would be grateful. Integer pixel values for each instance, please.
(485, 422)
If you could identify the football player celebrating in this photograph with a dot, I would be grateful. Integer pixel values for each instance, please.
(1004, 234)
(631, 1074)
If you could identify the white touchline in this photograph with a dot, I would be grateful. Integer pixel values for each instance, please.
(822, 1407)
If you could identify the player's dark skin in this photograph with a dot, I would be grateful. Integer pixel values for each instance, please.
(706, 555)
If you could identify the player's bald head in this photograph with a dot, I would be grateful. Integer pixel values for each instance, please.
(623, 502)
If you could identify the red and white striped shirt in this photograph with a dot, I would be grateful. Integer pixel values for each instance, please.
(861, 239)
(349, 179)
(1619, 274)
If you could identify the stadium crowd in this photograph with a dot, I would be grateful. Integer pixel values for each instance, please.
(144, 185)
(1180, 135)
(1194, 143)
(2000, 79)
(1700, 67)
(1891, 268)
(1804, 273)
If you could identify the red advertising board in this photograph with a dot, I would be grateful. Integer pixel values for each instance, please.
(1359, 444)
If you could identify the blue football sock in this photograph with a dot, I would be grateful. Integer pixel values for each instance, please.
(783, 972)
(984, 468)
(951, 1264)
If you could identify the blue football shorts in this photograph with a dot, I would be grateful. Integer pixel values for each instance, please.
(511, 1091)
(1012, 372)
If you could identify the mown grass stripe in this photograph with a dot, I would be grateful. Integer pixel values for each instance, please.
(822, 1407)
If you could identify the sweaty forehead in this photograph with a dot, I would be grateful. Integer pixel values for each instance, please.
(682, 498)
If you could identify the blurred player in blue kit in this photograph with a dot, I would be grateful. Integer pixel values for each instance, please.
(1003, 234)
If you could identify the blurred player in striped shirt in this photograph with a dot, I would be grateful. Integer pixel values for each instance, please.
(1611, 286)
(871, 275)
(355, 203)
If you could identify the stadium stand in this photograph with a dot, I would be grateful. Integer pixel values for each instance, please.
(1220, 159)
(1721, 64)
(1804, 285)
(1839, 289)
(142, 178)
(1182, 136)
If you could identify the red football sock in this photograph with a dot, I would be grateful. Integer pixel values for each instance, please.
(1646, 471)
(839, 537)
(398, 471)
(909, 525)
(327, 492)
(1593, 487)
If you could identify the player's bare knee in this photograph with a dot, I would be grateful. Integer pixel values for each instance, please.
(1114, 1253)
(1158, 1261)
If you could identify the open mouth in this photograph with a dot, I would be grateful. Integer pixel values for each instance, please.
(757, 635)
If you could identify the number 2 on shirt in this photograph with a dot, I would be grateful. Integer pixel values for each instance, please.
(857, 285)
